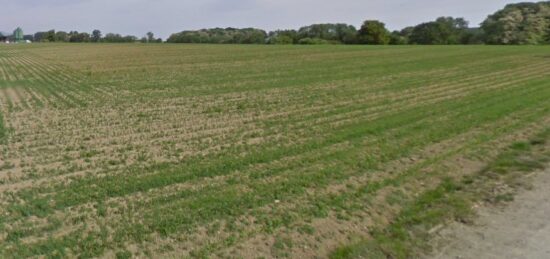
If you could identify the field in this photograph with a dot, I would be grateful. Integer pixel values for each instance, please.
(244, 151)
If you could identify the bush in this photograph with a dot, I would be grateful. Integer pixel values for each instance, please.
(313, 41)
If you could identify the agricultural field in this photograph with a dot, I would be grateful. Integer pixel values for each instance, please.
(166, 150)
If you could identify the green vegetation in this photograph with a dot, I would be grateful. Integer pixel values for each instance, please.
(443, 31)
(219, 35)
(409, 235)
(162, 150)
(516, 24)
(75, 36)
(374, 32)
(523, 23)
(2, 128)
(330, 33)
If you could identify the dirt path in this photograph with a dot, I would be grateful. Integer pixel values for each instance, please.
(520, 230)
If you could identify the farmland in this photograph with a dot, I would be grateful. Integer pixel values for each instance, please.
(244, 151)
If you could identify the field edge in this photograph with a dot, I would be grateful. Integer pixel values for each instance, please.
(409, 235)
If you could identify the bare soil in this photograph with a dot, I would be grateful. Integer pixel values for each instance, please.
(521, 229)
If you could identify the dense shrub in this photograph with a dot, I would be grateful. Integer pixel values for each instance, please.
(314, 41)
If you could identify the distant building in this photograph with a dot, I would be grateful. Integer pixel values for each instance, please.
(18, 35)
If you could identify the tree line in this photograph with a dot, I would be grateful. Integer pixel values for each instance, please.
(445, 30)
(95, 36)
(522, 23)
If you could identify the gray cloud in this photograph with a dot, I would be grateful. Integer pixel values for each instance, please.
(167, 16)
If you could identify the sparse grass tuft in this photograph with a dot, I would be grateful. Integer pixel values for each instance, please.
(2, 128)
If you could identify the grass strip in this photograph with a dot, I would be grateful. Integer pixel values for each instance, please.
(409, 234)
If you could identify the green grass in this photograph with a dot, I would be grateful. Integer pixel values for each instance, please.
(203, 150)
(409, 235)
(2, 128)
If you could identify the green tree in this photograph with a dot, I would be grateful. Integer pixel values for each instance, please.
(61, 36)
(39, 36)
(397, 39)
(473, 36)
(347, 34)
(75, 36)
(150, 37)
(96, 36)
(523, 23)
(373, 32)
(117, 38)
(329, 32)
(49, 36)
(220, 35)
(444, 30)
(283, 37)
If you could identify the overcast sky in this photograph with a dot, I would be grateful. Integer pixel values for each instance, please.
(164, 17)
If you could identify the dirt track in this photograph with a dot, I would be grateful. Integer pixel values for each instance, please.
(520, 230)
